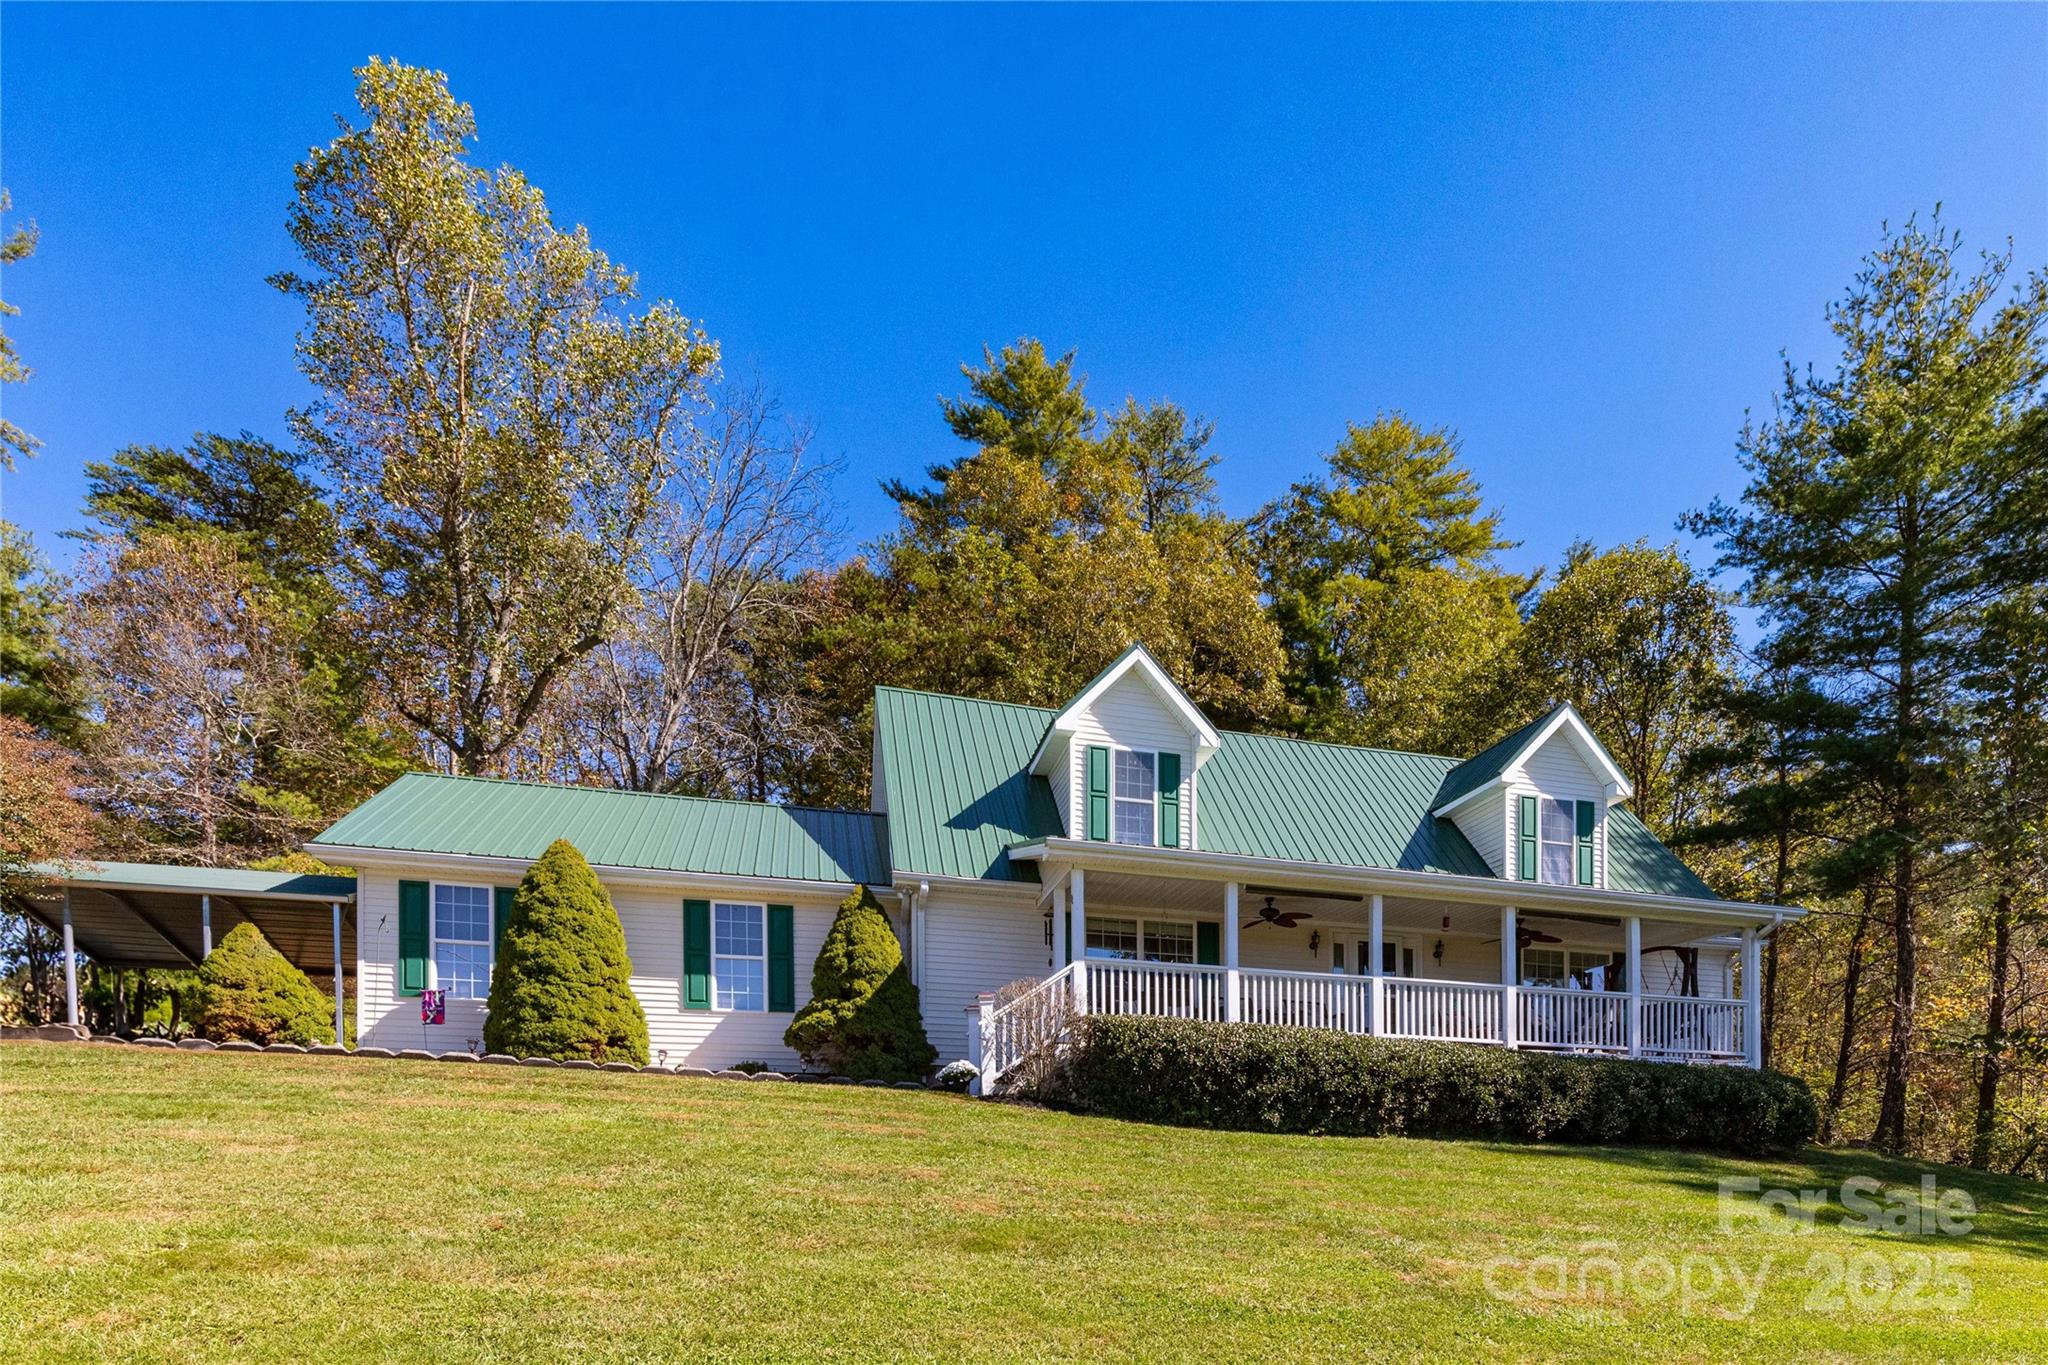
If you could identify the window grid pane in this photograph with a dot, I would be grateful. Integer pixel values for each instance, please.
(741, 984)
(465, 970)
(1543, 967)
(1165, 942)
(1134, 771)
(737, 929)
(1113, 938)
(1134, 822)
(462, 913)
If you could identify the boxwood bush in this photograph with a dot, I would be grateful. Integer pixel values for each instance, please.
(1283, 1080)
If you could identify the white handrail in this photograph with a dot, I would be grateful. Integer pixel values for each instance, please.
(1307, 1000)
(1019, 1027)
(1167, 990)
(1553, 1017)
(1692, 1027)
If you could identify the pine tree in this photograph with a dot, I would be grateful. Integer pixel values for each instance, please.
(863, 1018)
(562, 986)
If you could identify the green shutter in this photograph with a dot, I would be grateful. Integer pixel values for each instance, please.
(781, 959)
(1098, 792)
(1208, 943)
(1169, 800)
(696, 955)
(1525, 836)
(501, 912)
(412, 937)
(1585, 843)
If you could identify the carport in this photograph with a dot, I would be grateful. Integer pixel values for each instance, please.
(166, 916)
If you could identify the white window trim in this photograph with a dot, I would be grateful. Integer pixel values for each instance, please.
(434, 939)
(1151, 799)
(1571, 845)
(716, 957)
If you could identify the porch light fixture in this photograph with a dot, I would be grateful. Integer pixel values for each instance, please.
(1315, 941)
(1438, 953)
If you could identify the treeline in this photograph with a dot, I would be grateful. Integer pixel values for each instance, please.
(529, 528)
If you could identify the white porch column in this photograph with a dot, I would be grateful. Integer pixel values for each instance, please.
(1079, 903)
(978, 1015)
(1376, 963)
(1510, 975)
(70, 965)
(1633, 966)
(1062, 947)
(1752, 1005)
(205, 927)
(1233, 984)
(340, 980)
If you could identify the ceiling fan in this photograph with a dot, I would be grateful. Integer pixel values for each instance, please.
(1270, 913)
(1524, 936)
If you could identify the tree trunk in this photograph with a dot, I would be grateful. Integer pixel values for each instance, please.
(1993, 1069)
(1890, 1133)
(1852, 981)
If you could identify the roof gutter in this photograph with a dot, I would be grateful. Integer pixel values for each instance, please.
(516, 867)
(1395, 881)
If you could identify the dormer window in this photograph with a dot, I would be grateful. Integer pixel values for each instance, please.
(1556, 838)
(1137, 786)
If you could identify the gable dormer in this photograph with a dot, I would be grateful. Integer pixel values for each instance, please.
(1535, 803)
(1123, 757)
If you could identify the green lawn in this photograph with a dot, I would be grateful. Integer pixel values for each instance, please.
(162, 1205)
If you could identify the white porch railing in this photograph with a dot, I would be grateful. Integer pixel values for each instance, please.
(1444, 1011)
(1035, 1023)
(1594, 1021)
(1683, 1026)
(1167, 990)
(1307, 1000)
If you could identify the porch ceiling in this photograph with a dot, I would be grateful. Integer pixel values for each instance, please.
(1110, 892)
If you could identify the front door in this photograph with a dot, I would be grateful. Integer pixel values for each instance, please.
(1350, 956)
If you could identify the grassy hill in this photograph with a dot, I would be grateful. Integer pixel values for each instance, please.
(176, 1206)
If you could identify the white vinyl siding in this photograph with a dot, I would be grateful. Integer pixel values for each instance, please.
(1129, 715)
(653, 921)
(971, 947)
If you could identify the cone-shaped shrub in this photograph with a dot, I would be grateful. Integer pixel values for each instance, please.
(247, 990)
(863, 1020)
(562, 987)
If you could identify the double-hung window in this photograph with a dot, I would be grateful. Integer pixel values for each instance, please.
(1557, 832)
(462, 941)
(1137, 796)
(739, 956)
(1130, 940)
(1582, 968)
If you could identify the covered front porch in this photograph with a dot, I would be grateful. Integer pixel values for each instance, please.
(1399, 955)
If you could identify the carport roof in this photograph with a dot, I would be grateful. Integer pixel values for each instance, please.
(152, 914)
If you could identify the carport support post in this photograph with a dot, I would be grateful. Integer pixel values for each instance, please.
(205, 927)
(70, 965)
(1634, 968)
(340, 990)
(1510, 974)
(1233, 986)
(1376, 965)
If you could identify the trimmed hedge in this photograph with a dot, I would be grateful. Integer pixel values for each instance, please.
(1283, 1080)
(562, 986)
(248, 991)
(863, 1018)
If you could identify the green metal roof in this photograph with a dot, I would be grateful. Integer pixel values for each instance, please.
(1489, 763)
(429, 813)
(228, 881)
(955, 778)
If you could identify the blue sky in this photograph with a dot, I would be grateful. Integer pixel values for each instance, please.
(1579, 236)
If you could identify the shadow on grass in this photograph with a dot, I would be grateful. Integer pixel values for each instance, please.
(2012, 1212)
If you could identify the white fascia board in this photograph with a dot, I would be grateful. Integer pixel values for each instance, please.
(1207, 740)
(1448, 886)
(972, 888)
(1493, 788)
(660, 878)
